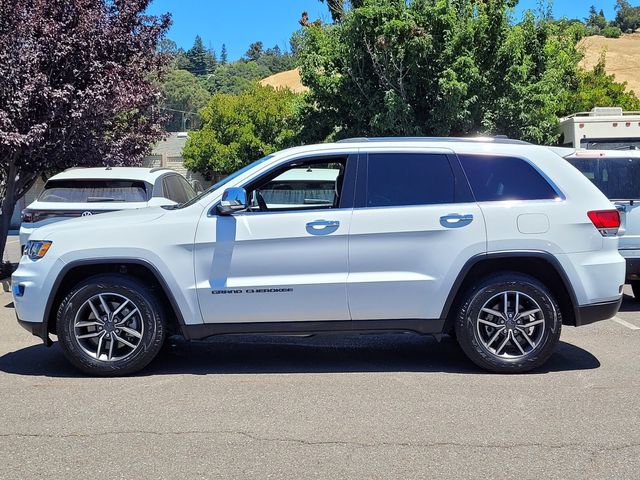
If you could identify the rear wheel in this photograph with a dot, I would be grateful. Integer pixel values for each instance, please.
(508, 323)
(110, 325)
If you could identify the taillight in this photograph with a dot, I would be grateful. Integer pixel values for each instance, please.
(606, 221)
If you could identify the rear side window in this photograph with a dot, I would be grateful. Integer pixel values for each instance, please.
(397, 179)
(495, 178)
(84, 191)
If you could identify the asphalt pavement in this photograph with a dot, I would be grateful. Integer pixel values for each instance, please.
(368, 407)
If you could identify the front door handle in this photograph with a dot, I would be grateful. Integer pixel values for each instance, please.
(456, 220)
(318, 224)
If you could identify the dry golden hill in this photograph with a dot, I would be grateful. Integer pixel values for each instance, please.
(622, 54)
(289, 79)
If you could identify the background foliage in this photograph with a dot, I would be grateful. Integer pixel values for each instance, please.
(237, 129)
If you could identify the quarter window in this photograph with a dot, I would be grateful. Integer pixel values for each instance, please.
(397, 179)
(495, 178)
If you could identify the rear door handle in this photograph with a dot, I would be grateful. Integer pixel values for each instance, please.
(456, 220)
(318, 224)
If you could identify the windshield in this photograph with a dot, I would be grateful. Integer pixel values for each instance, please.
(222, 182)
(87, 191)
(617, 178)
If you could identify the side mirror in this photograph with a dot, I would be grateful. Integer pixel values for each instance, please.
(233, 200)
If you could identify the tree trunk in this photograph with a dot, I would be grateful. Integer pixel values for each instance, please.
(8, 204)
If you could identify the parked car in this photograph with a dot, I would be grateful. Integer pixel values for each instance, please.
(496, 241)
(617, 174)
(83, 192)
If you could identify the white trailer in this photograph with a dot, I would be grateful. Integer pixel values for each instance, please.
(603, 128)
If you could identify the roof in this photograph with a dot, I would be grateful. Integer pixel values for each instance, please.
(112, 173)
(171, 146)
(496, 140)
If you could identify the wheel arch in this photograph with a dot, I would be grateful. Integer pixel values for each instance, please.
(141, 269)
(539, 264)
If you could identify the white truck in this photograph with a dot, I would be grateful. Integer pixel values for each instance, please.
(603, 128)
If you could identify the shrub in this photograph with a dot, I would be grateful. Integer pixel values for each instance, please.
(612, 32)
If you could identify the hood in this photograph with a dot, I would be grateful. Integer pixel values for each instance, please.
(112, 220)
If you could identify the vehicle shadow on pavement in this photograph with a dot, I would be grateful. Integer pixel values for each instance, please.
(273, 355)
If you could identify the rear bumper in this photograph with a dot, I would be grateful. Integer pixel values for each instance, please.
(597, 311)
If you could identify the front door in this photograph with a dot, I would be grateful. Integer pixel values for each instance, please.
(286, 259)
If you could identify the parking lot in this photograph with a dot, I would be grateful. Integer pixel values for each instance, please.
(398, 406)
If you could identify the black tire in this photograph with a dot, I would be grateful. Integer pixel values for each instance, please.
(150, 317)
(469, 330)
(635, 287)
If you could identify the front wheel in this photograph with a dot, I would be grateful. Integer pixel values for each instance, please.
(508, 323)
(635, 287)
(110, 325)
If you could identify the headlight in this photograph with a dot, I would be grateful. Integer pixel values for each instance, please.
(36, 249)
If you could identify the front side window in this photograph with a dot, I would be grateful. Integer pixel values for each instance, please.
(399, 179)
(89, 191)
(497, 178)
(617, 178)
(301, 185)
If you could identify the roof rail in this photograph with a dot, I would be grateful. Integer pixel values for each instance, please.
(156, 169)
(497, 139)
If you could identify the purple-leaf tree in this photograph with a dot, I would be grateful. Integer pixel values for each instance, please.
(78, 87)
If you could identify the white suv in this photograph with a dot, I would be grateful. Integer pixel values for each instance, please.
(496, 241)
(82, 192)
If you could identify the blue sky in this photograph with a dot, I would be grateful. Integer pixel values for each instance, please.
(239, 23)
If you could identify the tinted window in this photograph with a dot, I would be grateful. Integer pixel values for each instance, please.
(174, 190)
(395, 179)
(617, 178)
(83, 191)
(505, 178)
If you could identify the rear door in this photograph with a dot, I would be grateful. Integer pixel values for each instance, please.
(414, 227)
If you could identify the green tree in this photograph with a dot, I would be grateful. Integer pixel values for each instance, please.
(275, 60)
(238, 129)
(223, 55)
(254, 52)
(201, 60)
(436, 67)
(183, 97)
(596, 21)
(595, 88)
(627, 17)
(235, 77)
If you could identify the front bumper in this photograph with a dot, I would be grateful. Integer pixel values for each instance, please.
(597, 311)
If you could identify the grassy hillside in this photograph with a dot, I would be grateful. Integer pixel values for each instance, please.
(622, 54)
(289, 79)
